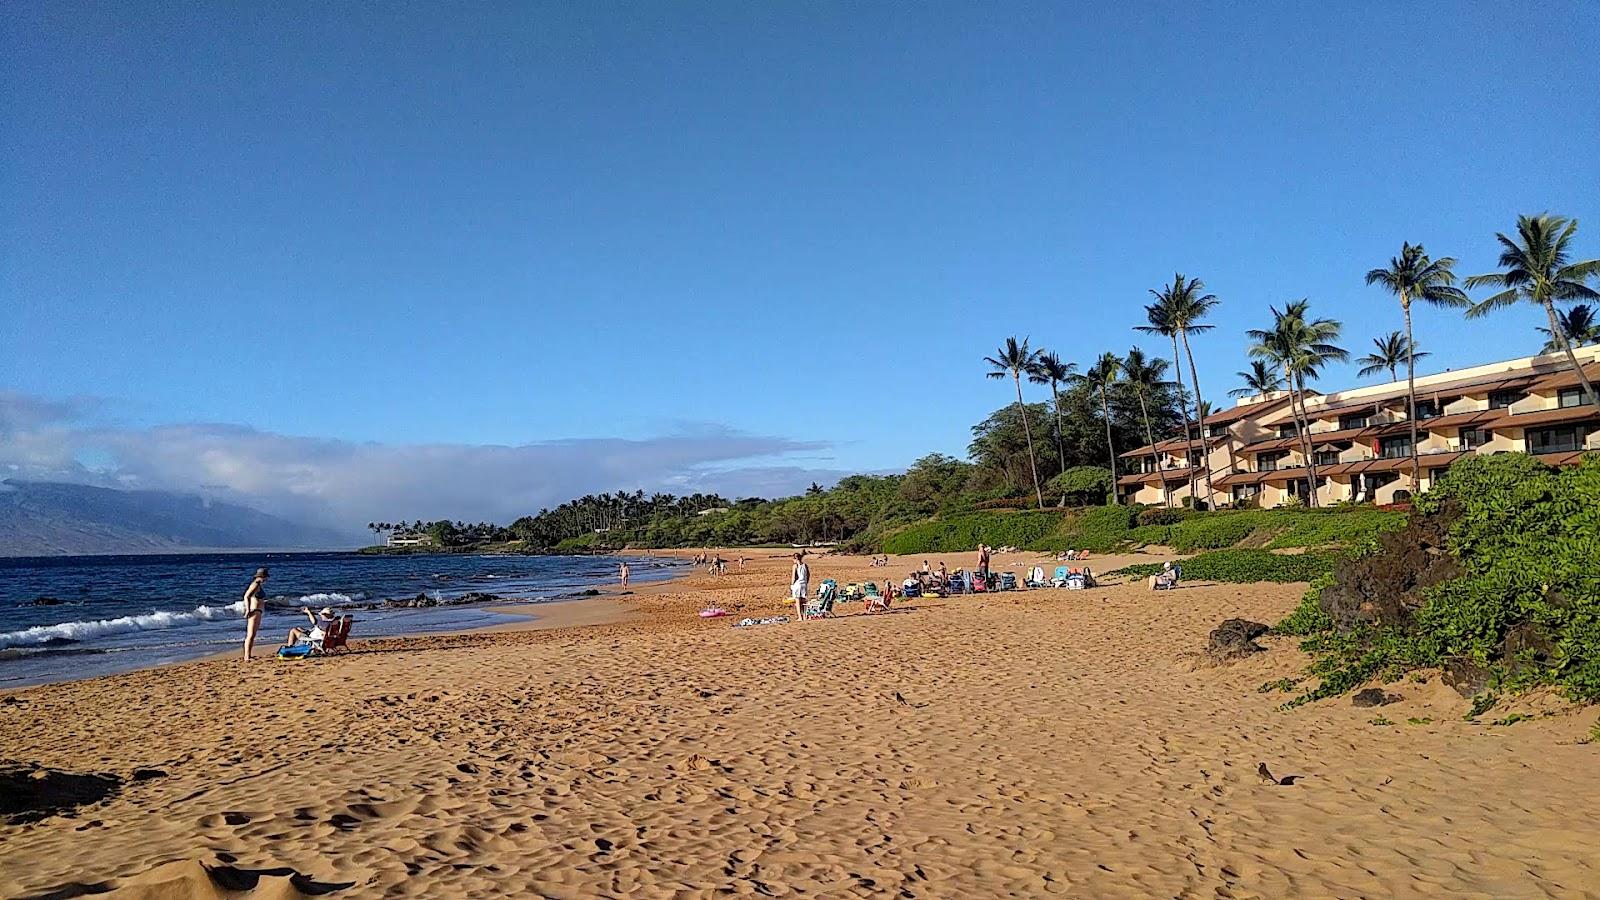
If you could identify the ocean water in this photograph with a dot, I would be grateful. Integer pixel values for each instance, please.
(81, 616)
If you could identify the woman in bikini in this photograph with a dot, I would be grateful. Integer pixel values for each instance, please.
(255, 601)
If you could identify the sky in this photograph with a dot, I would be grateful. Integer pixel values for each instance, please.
(408, 260)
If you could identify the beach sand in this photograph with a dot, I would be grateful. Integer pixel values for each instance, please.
(1023, 744)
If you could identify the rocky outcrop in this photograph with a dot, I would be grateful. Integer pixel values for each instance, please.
(1235, 639)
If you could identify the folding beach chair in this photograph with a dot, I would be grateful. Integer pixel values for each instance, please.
(1060, 578)
(337, 635)
(822, 605)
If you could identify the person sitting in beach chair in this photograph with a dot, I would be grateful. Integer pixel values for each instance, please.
(877, 602)
(1035, 578)
(1167, 578)
(821, 607)
(319, 624)
(1059, 579)
(911, 587)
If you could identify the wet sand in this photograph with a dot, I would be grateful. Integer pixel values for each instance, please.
(1025, 744)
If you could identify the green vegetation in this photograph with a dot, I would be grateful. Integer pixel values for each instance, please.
(1522, 604)
(1273, 529)
(1245, 566)
(964, 532)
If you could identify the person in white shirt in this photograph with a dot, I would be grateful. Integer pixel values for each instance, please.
(799, 584)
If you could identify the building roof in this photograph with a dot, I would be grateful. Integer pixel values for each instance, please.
(1570, 458)
(1165, 476)
(1245, 410)
(1170, 445)
(1565, 377)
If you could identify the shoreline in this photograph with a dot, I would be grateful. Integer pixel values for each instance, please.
(519, 616)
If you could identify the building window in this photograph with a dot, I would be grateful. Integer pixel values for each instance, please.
(1570, 397)
(1436, 473)
(1395, 447)
(1354, 420)
(1560, 439)
(1197, 458)
(1503, 399)
(1288, 431)
(1327, 457)
(1218, 431)
(1268, 462)
(1473, 438)
(1147, 465)
(1427, 409)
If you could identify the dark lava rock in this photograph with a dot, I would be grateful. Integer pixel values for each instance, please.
(1466, 677)
(46, 601)
(1373, 697)
(1235, 639)
(1385, 587)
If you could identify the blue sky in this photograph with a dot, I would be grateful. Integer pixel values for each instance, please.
(509, 224)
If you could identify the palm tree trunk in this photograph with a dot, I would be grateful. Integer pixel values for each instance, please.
(1301, 421)
(1061, 446)
(1038, 493)
(1566, 347)
(1199, 404)
(1311, 448)
(1155, 460)
(1188, 431)
(1111, 448)
(1411, 398)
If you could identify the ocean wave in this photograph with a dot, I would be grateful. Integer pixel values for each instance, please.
(46, 635)
(314, 600)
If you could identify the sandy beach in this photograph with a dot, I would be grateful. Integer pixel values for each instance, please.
(1019, 744)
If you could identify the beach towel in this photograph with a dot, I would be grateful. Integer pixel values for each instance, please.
(769, 620)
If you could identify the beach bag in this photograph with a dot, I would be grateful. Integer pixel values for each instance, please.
(296, 651)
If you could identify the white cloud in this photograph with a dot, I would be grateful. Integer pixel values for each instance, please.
(346, 484)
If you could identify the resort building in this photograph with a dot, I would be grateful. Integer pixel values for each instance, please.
(1361, 439)
(408, 539)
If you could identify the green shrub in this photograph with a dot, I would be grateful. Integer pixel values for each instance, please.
(1081, 485)
(1161, 515)
(1527, 604)
(1245, 566)
(997, 528)
(1100, 529)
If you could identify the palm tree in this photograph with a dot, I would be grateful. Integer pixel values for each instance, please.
(1261, 379)
(1391, 350)
(1100, 377)
(1048, 368)
(1414, 276)
(1144, 376)
(1537, 271)
(1015, 359)
(1578, 324)
(1301, 347)
(1178, 309)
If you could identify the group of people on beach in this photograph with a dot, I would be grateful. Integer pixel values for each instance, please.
(255, 605)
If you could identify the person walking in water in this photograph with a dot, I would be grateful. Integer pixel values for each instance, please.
(624, 571)
(800, 584)
(255, 601)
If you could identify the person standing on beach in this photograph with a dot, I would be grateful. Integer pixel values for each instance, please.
(800, 584)
(624, 572)
(255, 602)
(983, 560)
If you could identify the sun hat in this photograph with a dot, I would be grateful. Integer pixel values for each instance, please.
(327, 611)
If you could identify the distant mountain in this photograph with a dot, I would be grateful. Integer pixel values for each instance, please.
(49, 519)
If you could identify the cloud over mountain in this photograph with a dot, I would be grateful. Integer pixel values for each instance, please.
(344, 483)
